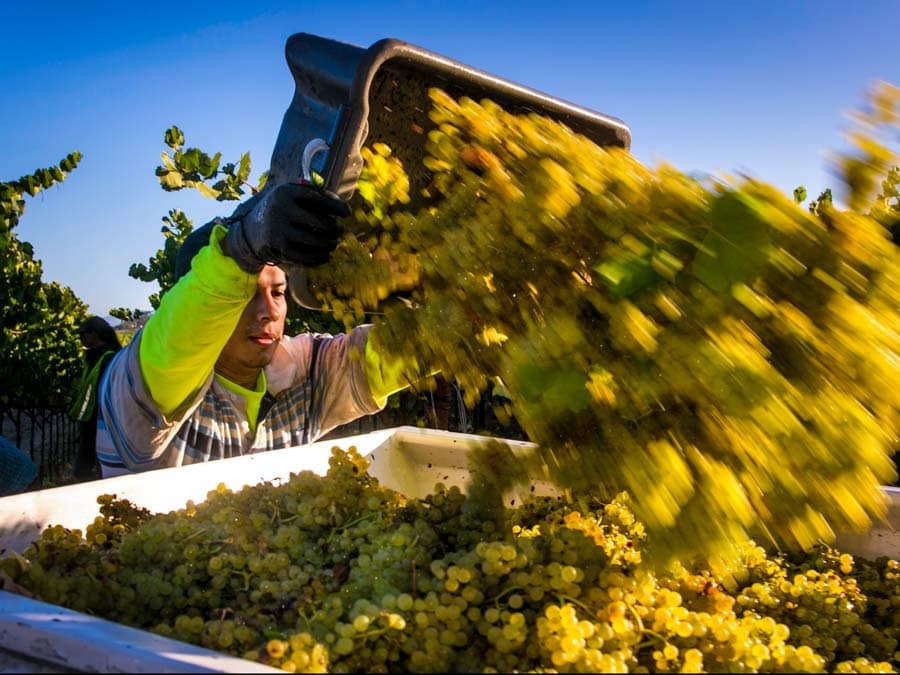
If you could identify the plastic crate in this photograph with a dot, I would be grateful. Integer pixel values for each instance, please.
(347, 96)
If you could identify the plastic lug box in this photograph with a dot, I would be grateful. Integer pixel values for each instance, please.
(347, 96)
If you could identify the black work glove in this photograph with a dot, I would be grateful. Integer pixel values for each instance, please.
(294, 224)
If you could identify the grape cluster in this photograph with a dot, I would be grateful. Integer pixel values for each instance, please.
(721, 353)
(338, 574)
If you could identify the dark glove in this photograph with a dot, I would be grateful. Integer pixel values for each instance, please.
(292, 224)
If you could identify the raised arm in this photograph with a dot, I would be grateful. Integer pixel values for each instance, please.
(182, 340)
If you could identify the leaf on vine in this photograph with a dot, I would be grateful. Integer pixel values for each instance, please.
(244, 169)
(173, 180)
(174, 137)
(167, 162)
(209, 166)
(206, 190)
(190, 160)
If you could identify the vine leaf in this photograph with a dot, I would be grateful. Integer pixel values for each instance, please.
(737, 245)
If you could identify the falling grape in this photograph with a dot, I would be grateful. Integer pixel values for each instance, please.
(721, 353)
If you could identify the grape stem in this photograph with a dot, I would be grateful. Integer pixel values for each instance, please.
(505, 591)
(351, 523)
(562, 599)
(196, 533)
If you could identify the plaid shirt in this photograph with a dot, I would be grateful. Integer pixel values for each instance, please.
(315, 383)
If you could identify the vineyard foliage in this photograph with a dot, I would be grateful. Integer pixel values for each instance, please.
(161, 266)
(40, 355)
(725, 355)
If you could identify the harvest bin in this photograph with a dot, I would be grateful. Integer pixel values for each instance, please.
(37, 637)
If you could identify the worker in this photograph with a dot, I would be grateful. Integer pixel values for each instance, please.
(101, 343)
(211, 375)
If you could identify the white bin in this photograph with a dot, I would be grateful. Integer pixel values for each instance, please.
(37, 637)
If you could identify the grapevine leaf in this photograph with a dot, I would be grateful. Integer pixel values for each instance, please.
(205, 190)
(558, 388)
(173, 180)
(244, 168)
(167, 162)
(190, 161)
(174, 137)
(627, 274)
(567, 391)
(210, 165)
(736, 248)
(31, 186)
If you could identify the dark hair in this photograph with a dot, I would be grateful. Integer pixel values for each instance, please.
(190, 247)
(199, 238)
(99, 327)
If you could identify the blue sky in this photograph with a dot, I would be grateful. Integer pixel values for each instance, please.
(714, 87)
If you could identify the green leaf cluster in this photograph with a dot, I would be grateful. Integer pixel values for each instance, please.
(189, 168)
(40, 355)
(193, 168)
(161, 266)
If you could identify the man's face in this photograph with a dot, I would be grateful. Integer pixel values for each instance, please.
(252, 344)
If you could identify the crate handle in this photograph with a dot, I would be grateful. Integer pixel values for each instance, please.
(314, 147)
